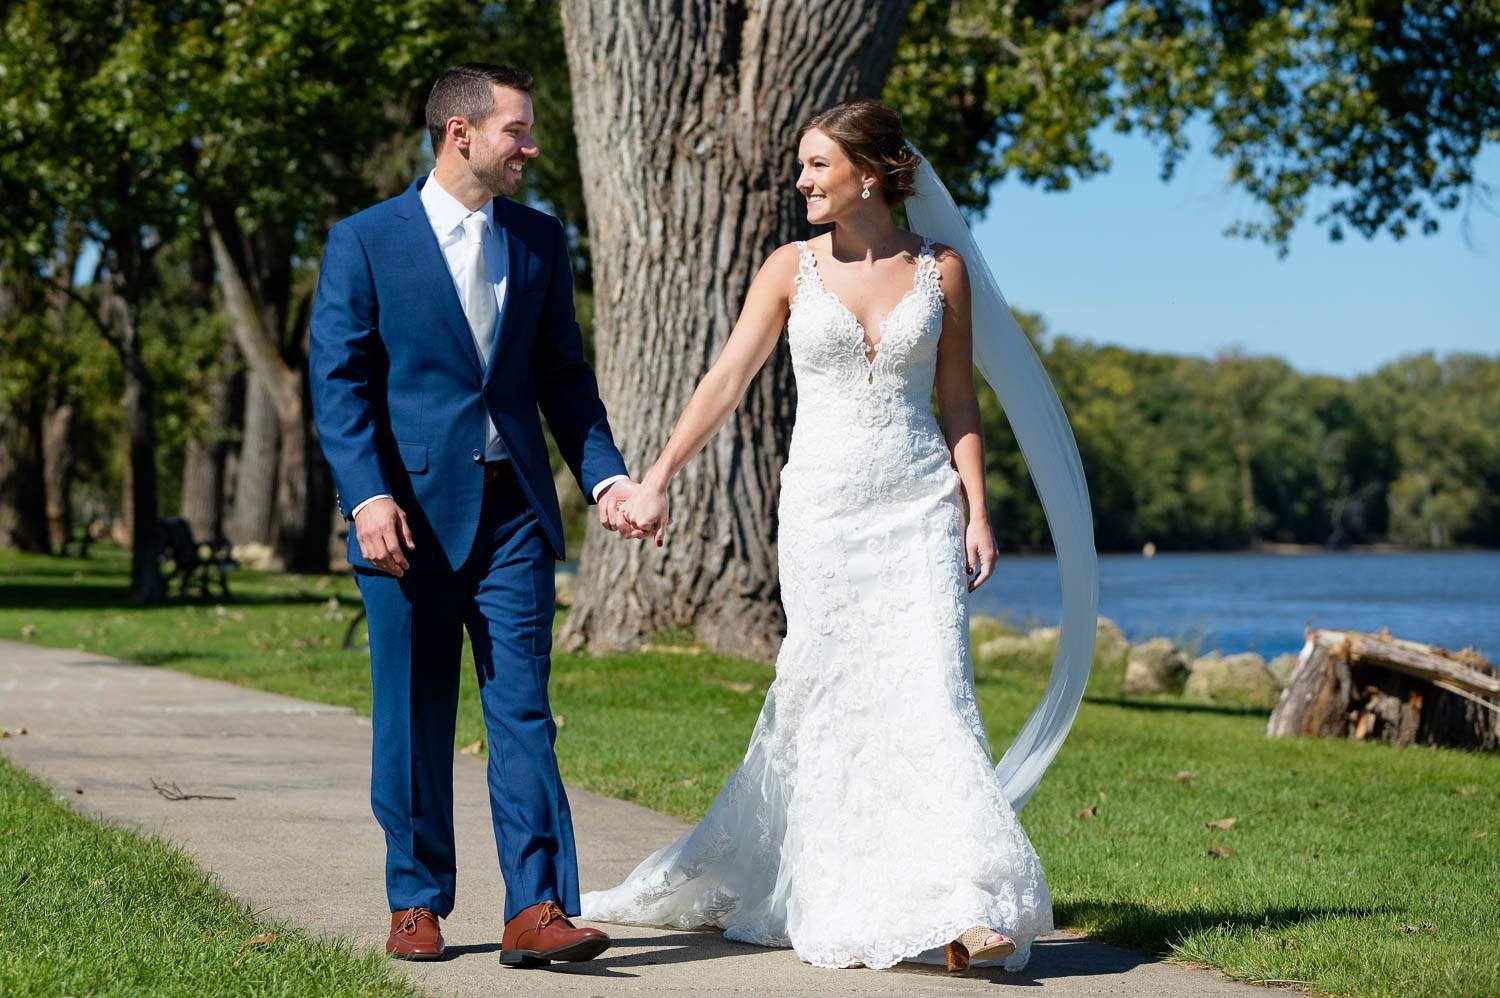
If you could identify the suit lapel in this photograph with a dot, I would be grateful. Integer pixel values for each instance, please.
(426, 256)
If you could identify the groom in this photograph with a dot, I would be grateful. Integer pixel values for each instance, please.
(443, 320)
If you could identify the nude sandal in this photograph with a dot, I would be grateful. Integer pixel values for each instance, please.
(978, 943)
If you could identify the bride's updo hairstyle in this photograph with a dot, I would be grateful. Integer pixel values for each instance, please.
(869, 133)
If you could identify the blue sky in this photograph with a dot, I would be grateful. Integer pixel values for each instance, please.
(1127, 259)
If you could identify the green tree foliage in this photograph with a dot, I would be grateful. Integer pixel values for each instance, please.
(1374, 110)
(1191, 453)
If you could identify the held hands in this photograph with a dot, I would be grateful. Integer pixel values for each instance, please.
(382, 531)
(979, 552)
(635, 511)
(621, 509)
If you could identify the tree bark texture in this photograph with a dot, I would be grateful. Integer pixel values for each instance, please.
(685, 115)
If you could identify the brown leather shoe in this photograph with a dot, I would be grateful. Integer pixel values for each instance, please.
(414, 935)
(542, 933)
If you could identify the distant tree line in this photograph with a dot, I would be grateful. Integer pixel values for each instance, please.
(1195, 453)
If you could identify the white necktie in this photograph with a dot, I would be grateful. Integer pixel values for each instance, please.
(478, 291)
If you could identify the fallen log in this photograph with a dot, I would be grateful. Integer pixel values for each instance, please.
(1353, 684)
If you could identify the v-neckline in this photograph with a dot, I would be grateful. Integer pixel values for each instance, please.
(870, 351)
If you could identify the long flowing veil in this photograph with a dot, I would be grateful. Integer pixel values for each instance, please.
(1010, 364)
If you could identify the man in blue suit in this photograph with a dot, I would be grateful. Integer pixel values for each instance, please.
(443, 321)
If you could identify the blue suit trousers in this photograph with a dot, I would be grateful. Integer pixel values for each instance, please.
(503, 596)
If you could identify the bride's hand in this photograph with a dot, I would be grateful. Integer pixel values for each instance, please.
(980, 552)
(646, 510)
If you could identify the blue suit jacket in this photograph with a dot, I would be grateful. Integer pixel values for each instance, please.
(399, 392)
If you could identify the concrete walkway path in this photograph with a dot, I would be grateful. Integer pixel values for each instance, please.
(297, 840)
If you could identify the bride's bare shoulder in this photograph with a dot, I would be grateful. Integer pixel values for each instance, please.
(782, 263)
(949, 262)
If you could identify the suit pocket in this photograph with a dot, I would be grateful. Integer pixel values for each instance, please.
(413, 457)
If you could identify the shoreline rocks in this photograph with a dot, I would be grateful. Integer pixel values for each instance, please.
(1156, 667)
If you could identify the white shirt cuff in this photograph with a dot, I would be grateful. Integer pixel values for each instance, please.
(612, 479)
(355, 511)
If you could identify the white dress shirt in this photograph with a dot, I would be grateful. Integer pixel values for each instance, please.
(446, 214)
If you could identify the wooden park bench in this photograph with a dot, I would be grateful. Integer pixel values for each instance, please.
(201, 564)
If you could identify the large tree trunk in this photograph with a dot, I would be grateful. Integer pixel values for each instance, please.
(58, 460)
(23, 509)
(23, 514)
(255, 468)
(141, 503)
(206, 460)
(255, 280)
(685, 115)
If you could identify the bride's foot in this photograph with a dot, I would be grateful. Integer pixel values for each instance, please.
(978, 943)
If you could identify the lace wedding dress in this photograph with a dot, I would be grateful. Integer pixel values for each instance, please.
(866, 823)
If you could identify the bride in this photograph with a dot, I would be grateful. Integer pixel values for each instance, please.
(867, 823)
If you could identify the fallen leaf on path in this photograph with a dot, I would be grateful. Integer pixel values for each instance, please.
(1088, 812)
(78, 790)
(20, 731)
(1221, 852)
(1221, 823)
(1183, 775)
(473, 748)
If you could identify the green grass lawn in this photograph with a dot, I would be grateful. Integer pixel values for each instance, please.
(93, 909)
(1358, 869)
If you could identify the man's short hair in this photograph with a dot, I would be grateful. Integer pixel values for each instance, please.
(464, 91)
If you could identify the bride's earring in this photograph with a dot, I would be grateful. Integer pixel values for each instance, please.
(864, 195)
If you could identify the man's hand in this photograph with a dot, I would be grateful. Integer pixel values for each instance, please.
(610, 501)
(382, 531)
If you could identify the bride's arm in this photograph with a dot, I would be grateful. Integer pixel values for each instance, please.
(754, 337)
(958, 408)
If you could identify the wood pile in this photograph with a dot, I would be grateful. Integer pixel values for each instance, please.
(1375, 687)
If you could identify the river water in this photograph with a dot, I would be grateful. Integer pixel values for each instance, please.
(1245, 601)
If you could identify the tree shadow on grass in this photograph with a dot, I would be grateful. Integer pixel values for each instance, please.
(166, 657)
(68, 595)
(1180, 706)
(1157, 930)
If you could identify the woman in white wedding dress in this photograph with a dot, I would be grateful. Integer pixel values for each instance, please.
(867, 824)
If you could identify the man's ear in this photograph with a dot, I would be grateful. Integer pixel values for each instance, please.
(458, 133)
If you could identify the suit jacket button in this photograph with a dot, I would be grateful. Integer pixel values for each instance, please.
(478, 457)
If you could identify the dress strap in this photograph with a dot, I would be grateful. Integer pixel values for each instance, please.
(927, 270)
(807, 265)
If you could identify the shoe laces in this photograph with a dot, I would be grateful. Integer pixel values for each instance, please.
(414, 918)
(549, 913)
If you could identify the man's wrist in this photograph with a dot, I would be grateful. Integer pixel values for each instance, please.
(606, 484)
(355, 511)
